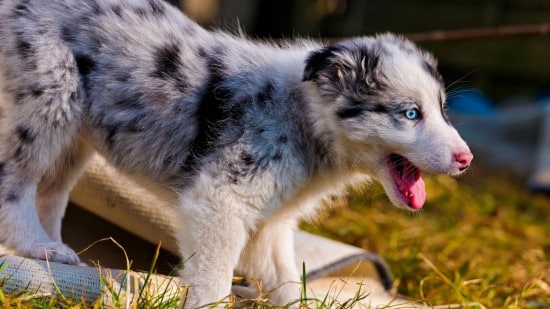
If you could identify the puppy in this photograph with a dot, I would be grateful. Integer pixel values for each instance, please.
(251, 135)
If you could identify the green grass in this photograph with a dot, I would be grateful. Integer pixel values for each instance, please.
(481, 239)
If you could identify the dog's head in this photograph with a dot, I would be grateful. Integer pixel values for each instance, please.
(382, 102)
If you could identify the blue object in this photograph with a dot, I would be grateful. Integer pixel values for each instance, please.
(470, 101)
(543, 97)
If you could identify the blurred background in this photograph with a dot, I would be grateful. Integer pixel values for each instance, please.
(502, 67)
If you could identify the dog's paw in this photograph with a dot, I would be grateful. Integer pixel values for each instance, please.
(246, 292)
(53, 252)
(286, 294)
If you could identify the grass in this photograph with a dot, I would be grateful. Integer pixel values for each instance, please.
(481, 242)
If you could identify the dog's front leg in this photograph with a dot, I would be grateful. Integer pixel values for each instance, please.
(211, 242)
(269, 256)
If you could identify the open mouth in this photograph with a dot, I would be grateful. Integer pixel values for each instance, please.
(408, 181)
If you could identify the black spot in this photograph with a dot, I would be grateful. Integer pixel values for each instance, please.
(112, 131)
(350, 111)
(356, 108)
(242, 169)
(22, 10)
(156, 7)
(167, 60)
(277, 156)
(37, 91)
(13, 196)
(168, 65)
(25, 48)
(432, 71)
(247, 159)
(283, 139)
(2, 171)
(34, 91)
(96, 9)
(210, 115)
(67, 34)
(378, 108)
(141, 12)
(266, 93)
(25, 135)
(122, 76)
(117, 10)
(201, 52)
(85, 64)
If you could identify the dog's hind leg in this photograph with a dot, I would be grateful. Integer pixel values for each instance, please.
(55, 186)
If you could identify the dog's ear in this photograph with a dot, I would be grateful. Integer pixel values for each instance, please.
(350, 66)
(318, 61)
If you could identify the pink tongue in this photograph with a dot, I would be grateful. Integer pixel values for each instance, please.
(412, 186)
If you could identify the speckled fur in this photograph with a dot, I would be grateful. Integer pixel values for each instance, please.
(251, 135)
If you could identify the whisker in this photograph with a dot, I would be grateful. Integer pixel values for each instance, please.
(461, 80)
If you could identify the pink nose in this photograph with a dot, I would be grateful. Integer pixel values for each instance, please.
(463, 158)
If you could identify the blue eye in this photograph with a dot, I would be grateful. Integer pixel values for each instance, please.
(412, 114)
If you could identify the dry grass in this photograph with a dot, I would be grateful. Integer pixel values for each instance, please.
(478, 240)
